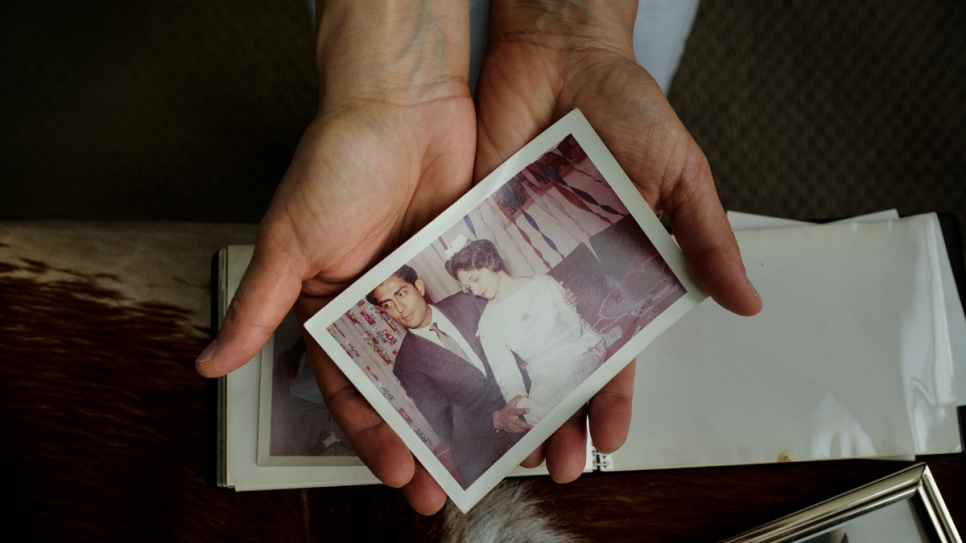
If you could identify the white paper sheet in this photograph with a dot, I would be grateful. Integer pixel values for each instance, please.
(748, 221)
(955, 318)
(815, 375)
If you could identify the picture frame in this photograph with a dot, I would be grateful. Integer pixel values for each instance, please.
(916, 506)
(506, 209)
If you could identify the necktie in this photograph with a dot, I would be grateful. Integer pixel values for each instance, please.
(448, 342)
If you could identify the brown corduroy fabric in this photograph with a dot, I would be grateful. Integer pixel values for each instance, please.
(810, 109)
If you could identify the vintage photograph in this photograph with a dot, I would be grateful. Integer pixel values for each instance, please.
(499, 320)
(485, 331)
(295, 427)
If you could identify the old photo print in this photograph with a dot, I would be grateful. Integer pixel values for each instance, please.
(295, 426)
(482, 334)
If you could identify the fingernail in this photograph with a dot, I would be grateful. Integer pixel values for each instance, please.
(207, 354)
(753, 289)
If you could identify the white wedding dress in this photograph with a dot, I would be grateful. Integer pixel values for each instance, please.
(559, 349)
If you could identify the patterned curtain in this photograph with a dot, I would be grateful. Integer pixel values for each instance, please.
(372, 339)
(536, 219)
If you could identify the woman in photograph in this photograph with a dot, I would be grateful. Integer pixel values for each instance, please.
(529, 317)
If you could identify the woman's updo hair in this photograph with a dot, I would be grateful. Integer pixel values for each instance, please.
(478, 254)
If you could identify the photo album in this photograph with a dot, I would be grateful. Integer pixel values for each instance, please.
(482, 334)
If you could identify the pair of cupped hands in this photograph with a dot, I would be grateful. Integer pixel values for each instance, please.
(398, 138)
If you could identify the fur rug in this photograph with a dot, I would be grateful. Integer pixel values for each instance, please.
(509, 513)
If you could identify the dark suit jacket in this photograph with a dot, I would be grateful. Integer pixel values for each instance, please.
(454, 396)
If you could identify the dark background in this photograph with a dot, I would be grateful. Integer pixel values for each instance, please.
(191, 111)
(175, 110)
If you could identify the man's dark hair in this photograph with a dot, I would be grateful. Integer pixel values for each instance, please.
(476, 255)
(406, 273)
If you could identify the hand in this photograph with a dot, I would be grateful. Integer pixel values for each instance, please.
(569, 297)
(392, 145)
(545, 60)
(508, 419)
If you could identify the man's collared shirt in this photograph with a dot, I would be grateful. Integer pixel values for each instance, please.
(450, 329)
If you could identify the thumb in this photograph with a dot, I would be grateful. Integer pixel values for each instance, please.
(267, 292)
(706, 239)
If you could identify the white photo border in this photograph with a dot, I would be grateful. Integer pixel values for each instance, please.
(575, 124)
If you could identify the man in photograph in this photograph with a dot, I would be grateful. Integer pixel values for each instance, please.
(442, 367)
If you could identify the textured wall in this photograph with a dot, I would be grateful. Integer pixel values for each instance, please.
(150, 110)
(812, 109)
